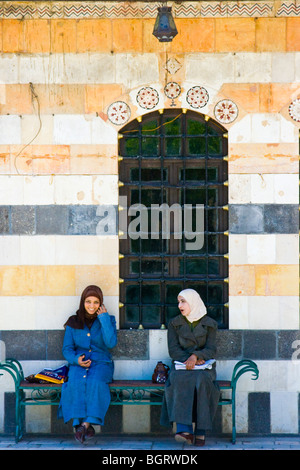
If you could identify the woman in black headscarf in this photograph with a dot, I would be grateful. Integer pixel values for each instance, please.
(88, 337)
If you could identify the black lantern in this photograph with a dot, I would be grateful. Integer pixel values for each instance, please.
(165, 29)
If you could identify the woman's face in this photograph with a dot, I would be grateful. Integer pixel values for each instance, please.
(91, 305)
(183, 306)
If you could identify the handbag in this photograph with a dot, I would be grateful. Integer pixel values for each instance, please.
(160, 373)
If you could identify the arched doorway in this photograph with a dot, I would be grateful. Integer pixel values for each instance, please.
(173, 158)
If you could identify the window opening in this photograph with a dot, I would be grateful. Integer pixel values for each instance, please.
(179, 158)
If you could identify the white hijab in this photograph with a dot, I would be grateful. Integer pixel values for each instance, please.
(198, 309)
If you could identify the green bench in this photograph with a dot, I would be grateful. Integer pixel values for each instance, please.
(123, 392)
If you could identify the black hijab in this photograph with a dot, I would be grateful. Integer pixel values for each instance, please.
(82, 317)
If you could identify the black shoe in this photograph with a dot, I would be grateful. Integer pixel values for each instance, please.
(80, 433)
(90, 433)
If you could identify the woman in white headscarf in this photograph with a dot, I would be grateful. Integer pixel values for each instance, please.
(191, 395)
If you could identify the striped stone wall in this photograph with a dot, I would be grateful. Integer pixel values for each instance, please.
(63, 68)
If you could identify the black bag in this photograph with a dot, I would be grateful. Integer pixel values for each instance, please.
(160, 373)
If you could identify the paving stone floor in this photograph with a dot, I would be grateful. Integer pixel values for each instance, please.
(147, 443)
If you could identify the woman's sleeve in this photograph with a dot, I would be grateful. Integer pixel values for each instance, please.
(176, 352)
(109, 330)
(69, 348)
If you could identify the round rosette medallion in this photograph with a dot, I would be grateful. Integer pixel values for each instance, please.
(197, 97)
(118, 113)
(294, 110)
(147, 97)
(226, 111)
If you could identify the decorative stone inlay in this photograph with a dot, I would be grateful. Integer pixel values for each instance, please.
(173, 65)
(226, 111)
(147, 97)
(172, 90)
(294, 110)
(197, 97)
(118, 113)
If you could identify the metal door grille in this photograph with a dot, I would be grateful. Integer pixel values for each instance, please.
(173, 157)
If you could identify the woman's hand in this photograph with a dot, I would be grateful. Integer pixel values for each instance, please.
(200, 362)
(191, 361)
(84, 363)
(101, 309)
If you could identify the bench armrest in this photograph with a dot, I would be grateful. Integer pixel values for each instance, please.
(242, 367)
(14, 368)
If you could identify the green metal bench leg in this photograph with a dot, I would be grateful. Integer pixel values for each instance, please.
(19, 417)
(233, 416)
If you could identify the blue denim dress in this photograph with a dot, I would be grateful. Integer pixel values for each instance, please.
(86, 394)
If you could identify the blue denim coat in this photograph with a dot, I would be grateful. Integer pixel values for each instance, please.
(86, 394)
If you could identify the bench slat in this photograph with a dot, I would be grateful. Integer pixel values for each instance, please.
(115, 384)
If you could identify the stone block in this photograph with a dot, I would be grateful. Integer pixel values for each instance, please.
(239, 189)
(18, 99)
(235, 34)
(126, 35)
(59, 280)
(288, 344)
(37, 250)
(9, 69)
(10, 129)
(107, 277)
(259, 345)
(229, 344)
(266, 30)
(281, 218)
(292, 34)
(36, 189)
(238, 312)
(240, 132)
(37, 36)
(246, 218)
(63, 35)
(277, 280)
(259, 419)
(252, 67)
(11, 190)
(60, 98)
(283, 67)
(13, 36)
(135, 70)
(238, 249)
(286, 189)
(247, 95)
(284, 412)
(4, 220)
(98, 97)
(241, 280)
(276, 158)
(93, 35)
(189, 39)
(132, 344)
(29, 347)
(287, 249)
(52, 219)
(71, 129)
(23, 220)
(54, 345)
(199, 68)
(36, 68)
(82, 220)
(86, 68)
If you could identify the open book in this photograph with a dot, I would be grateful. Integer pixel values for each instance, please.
(207, 365)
